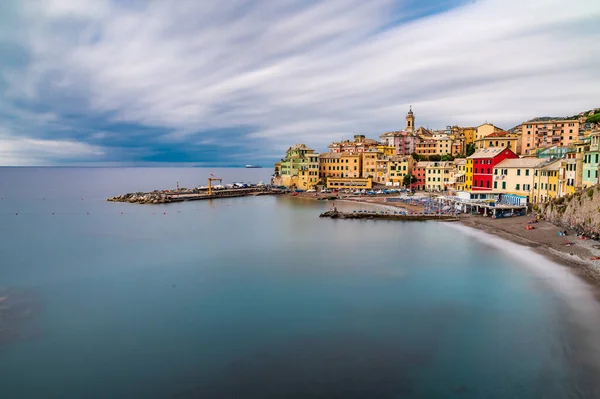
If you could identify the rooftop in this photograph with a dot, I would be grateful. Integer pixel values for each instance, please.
(489, 152)
(500, 134)
(520, 163)
(301, 147)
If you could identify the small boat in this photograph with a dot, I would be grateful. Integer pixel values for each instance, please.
(253, 166)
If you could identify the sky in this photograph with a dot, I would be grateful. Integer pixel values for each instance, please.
(232, 82)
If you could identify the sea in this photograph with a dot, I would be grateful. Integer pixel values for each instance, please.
(258, 297)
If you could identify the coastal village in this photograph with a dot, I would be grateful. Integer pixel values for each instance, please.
(484, 169)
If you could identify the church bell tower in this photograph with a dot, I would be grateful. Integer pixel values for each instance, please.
(410, 121)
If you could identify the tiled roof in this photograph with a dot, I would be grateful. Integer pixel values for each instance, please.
(489, 152)
(520, 163)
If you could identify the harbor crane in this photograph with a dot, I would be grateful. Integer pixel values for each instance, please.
(210, 180)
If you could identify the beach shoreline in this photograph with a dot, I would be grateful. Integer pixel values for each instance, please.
(543, 239)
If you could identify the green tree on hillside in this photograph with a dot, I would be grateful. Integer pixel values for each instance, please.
(447, 157)
(470, 149)
(435, 158)
(418, 157)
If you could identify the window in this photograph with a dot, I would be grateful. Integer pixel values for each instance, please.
(526, 172)
(488, 184)
(503, 185)
(535, 186)
(495, 171)
(518, 172)
(495, 184)
(517, 187)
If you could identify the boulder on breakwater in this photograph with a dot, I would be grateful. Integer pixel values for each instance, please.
(335, 214)
(142, 198)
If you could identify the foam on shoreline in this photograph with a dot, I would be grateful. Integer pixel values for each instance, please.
(579, 296)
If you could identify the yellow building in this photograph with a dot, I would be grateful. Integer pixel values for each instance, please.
(546, 182)
(468, 175)
(461, 173)
(369, 163)
(308, 173)
(437, 175)
(381, 170)
(438, 145)
(387, 150)
(500, 139)
(485, 130)
(468, 133)
(349, 183)
(344, 164)
(516, 176)
(398, 167)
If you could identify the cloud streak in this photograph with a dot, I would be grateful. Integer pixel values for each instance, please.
(255, 77)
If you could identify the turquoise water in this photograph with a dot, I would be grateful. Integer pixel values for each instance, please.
(260, 298)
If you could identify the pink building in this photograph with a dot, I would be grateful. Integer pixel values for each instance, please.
(404, 142)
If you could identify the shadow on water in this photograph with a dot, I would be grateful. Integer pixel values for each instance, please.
(18, 307)
(315, 367)
(333, 365)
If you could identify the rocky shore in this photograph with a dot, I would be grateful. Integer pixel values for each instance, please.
(156, 197)
(386, 215)
(184, 194)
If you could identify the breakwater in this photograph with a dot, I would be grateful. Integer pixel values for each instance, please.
(387, 216)
(165, 197)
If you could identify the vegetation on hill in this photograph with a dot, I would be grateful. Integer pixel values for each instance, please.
(595, 118)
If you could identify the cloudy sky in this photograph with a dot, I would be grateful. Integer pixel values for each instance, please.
(233, 82)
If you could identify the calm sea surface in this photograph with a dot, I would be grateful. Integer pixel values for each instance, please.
(259, 298)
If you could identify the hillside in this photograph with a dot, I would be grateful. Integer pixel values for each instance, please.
(592, 116)
(580, 211)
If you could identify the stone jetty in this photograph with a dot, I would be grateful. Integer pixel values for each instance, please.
(193, 194)
(387, 215)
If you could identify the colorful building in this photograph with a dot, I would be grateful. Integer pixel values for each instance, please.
(404, 142)
(308, 173)
(484, 162)
(370, 167)
(337, 183)
(591, 161)
(485, 130)
(469, 175)
(516, 176)
(296, 158)
(438, 175)
(500, 139)
(439, 145)
(398, 167)
(420, 174)
(387, 150)
(358, 145)
(345, 164)
(571, 173)
(461, 173)
(548, 133)
(546, 182)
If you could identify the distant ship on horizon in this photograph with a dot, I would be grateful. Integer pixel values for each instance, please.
(253, 166)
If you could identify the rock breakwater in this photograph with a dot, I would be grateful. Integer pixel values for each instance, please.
(143, 198)
(387, 216)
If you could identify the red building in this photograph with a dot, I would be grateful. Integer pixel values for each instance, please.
(484, 161)
(419, 174)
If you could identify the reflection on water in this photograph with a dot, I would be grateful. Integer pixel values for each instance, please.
(17, 309)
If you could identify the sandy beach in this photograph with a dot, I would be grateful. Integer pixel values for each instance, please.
(545, 240)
